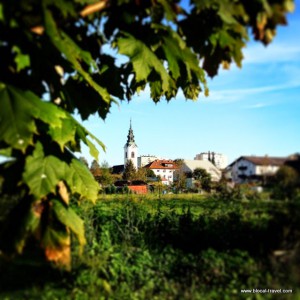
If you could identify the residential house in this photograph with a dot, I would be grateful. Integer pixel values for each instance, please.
(163, 168)
(254, 168)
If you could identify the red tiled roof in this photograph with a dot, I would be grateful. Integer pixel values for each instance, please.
(162, 164)
(265, 160)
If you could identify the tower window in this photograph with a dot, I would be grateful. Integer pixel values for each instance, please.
(132, 154)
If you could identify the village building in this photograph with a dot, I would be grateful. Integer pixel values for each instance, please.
(189, 166)
(218, 159)
(135, 186)
(144, 160)
(254, 168)
(131, 149)
(164, 169)
(130, 153)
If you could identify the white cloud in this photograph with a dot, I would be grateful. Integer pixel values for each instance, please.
(257, 105)
(277, 53)
(234, 95)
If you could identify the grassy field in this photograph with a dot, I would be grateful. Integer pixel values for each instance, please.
(170, 247)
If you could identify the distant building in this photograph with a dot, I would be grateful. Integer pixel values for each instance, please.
(135, 186)
(131, 149)
(144, 160)
(117, 169)
(254, 168)
(218, 159)
(163, 168)
(190, 165)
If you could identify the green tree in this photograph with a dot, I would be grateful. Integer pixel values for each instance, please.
(95, 169)
(105, 177)
(150, 173)
(53, 64)
(179, 175)
(101, 173)
(129, 171)
(141, 174)
(204, 178)
(287, 183)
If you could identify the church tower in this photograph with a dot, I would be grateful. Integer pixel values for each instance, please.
(131, 148)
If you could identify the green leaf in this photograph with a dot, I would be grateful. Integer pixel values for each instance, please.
(93, 150)
(29, 225)
(57, 245)
(169, 10)
(22, 222)
(6, 152)
(183, 63)
(16, 118)
(96, 140)
(74, 54)
(81, 181)
(22, 60)
(18, 110)
(65, 133)
(42, 173)
(82, 134)
(55, 239)
(1, 12)
(69, 218)
(144, 60)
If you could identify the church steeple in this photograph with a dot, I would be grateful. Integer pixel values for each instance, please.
(131, 148)
(130, 137)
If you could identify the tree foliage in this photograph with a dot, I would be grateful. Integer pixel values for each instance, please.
(129, 171)
(95, 169)
(287, 183)
(150, 173)
(203, 177)
(105, 178)
(141, 174)
(179, 175)
(54, 63)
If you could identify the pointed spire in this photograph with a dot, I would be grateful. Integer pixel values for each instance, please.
(130, 136)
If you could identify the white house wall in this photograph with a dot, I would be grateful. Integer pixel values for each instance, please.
(251, 169)
(266, 170)
(165, 173)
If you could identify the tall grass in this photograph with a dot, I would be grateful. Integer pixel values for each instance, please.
(175, 247)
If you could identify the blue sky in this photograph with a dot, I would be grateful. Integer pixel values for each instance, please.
(250, 111)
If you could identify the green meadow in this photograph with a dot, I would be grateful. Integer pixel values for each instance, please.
(169, 247)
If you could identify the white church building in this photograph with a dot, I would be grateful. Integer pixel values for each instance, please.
(131, 149)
